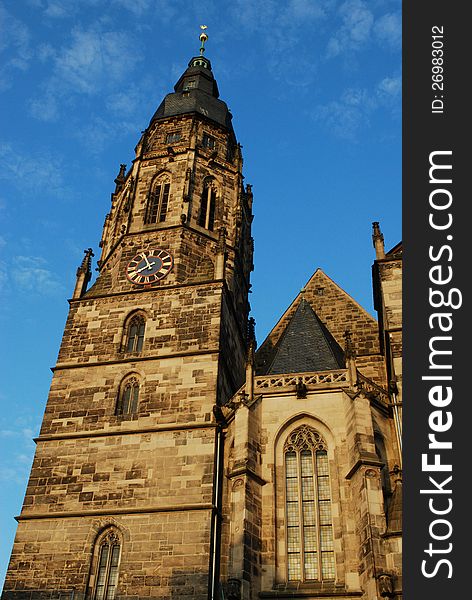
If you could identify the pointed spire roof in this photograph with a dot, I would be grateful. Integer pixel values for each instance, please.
(306, 345)
(196, 91)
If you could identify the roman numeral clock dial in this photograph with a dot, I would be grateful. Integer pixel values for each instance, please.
(149, 266)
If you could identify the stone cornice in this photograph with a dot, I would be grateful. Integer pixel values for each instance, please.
(128, 510)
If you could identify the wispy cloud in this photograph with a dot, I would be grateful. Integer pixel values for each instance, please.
(360, 25)
(98, 132)
(271, 15)
(96, 59)
(18, 450)
(61, 9)
(388, 30)
(15, 51)
(278, 27)
(356, 26)
(348, 115)
(3, 278)
(29, 171)
(32, 274)
(136, 7)
(93, 62)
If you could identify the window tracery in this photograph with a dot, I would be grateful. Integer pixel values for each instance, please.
(158, 201)
(107, 559)
(135, 334)
(128, 397)
(309, 530)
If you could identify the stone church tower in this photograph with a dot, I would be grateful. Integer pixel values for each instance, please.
(174, 461)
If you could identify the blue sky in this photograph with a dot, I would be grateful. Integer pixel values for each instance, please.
(315, 90)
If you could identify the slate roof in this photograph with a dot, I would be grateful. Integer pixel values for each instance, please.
(306, 345)
(195, 91)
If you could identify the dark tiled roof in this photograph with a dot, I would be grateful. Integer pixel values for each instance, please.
(196, 91)
(306, 345)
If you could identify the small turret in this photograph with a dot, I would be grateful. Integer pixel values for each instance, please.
(378, 240)
(120, 178)
(84, 274)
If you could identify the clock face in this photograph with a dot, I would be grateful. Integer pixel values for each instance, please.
(149, 266)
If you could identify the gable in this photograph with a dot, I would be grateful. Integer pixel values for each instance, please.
(336, 311)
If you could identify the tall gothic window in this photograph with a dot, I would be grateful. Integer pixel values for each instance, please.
(135, 334)
(107, 551)
(206, 218)
(128, 397)
(310, 549)
(158, 202)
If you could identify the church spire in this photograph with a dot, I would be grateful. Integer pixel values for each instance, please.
(203, 39)
(196, 91)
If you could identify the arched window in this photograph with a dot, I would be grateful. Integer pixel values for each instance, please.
(135, 334)
(104, 576)
(206, 218)
(310, 548)
(158, 202)
(128, 397)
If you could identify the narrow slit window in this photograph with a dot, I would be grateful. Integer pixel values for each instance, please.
(309, 529)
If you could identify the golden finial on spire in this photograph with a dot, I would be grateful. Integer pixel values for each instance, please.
(203, 38)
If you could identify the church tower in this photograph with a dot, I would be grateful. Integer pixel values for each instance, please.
(124, 495)
(177, 460)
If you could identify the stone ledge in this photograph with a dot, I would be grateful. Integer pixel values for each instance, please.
(339, 594)
(114, 511)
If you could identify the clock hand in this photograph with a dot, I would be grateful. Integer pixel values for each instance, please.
(147, 261)
(148, 266)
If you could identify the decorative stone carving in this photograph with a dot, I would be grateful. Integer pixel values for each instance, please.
(233, 589)
(301, 388)
(304, 438)
(385, 584)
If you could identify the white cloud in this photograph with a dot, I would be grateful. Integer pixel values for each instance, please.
(137, 7)
(60, 9)
(15, 52)
(388, 30)
(357, 21)
(389, 88)
(96, 59)
(360, 25)
(31, 274)
(30, 172)
(45, 107)
(17, 449)
(351, 113)
(94, 63)
(63, 9)
(3, 277)
(98, 132)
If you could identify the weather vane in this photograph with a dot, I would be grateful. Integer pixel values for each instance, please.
(203, 38)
